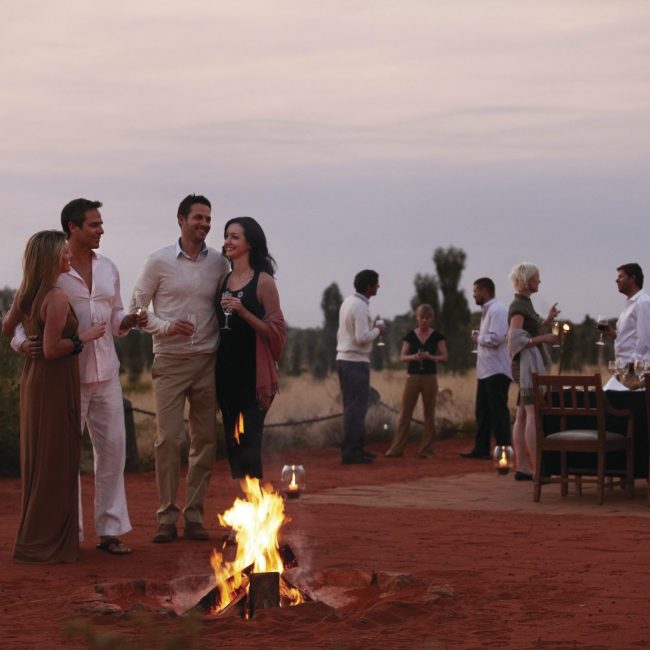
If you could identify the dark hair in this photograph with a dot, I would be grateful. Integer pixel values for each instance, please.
(365, 279)
(186, 204)
(75, 212)
(633, 270)
(260, 258)
(485, 283)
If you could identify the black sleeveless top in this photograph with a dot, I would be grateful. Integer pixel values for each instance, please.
(235, 371)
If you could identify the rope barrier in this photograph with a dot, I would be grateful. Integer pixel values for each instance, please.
(287, 423)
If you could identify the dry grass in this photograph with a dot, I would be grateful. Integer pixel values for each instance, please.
(303, 398)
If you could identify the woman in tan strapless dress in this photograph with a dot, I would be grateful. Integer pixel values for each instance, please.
(50, 429)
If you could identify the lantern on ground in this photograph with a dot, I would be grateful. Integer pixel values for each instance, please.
(292, 481)
(504, 458)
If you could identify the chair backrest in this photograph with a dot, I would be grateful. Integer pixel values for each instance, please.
(566, 396)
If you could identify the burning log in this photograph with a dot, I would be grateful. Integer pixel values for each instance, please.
(263, 592)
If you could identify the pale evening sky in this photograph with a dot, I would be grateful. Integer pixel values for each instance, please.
(359, 134)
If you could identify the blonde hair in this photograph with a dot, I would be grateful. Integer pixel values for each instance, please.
(424, 309)
(41, 267)
(521, 275)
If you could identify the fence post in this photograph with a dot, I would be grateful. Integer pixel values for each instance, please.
(132, 457)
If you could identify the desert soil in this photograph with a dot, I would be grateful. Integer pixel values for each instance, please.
(482, 565)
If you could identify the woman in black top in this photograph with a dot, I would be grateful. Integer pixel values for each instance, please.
(249, 346)
(422, 348)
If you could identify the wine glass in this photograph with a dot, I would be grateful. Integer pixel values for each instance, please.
(640, 368)
(380, 323)
(420, 351)
(191, 318)
(602, 323)
(141, 300)
(555, 330)
(612, 368)
(226, 312)
(475, 348)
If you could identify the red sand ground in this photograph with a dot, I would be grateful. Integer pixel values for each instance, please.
(484, 579)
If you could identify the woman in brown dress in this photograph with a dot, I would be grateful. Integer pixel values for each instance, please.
(50, 429)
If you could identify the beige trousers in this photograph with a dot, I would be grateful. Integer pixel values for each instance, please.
(416, 385)
(176, 379)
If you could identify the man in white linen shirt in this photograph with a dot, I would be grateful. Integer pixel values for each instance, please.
(493, 372)
(353, 345)
(93, 286)
(632, 333)
(181, 281)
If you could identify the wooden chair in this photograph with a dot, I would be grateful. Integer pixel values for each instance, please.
(580, 397)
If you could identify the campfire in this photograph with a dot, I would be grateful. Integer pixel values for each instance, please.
(254, 577)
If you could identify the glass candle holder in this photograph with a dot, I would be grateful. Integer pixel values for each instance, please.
(292, 481)
(503, 457)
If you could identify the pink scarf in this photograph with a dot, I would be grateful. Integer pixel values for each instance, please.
(267, 353)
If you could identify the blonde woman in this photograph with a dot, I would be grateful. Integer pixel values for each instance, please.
(422, 348)
(526, 338)
(50, 422)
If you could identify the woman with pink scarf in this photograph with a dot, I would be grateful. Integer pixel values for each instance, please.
(252, 335)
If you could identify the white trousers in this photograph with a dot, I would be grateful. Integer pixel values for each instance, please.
(102, 409)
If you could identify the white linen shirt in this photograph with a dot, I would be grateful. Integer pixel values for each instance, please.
(98, 360)
(633, 329)
(492, 357)
(356, 333)
(177, 285)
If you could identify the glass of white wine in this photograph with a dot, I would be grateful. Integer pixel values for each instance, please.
(191, 318)
(380, 323)
(141, 299)
(475, 333)
(555, 330)
(226, 312)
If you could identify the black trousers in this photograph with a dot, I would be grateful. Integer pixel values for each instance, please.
(354, 378)
(492, 414)
(245, 455)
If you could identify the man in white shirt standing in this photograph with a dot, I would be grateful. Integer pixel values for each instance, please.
(632, 333)
(353, 345)
(181, 281)
(493, 372)
(93, 287)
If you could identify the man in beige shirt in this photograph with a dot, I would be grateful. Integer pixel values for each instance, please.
(181, 281)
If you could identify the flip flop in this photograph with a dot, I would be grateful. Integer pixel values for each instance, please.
(114, 546)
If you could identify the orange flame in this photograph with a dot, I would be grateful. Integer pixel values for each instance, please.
(239, 427)
(256, 521)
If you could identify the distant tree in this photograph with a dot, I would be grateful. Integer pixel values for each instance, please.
(426, 292)
(454, 316)
(331, 304)
(6, 298)
(10, 368)
(296, 355)
(321, 366)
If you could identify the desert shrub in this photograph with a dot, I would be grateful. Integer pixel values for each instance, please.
(10, 367)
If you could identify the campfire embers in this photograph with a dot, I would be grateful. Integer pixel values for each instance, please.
(254, 577)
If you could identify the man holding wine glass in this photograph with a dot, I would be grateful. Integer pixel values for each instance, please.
(181, 282)
(493, 372)
(93, 287)
(354, 340)
(632, 333)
